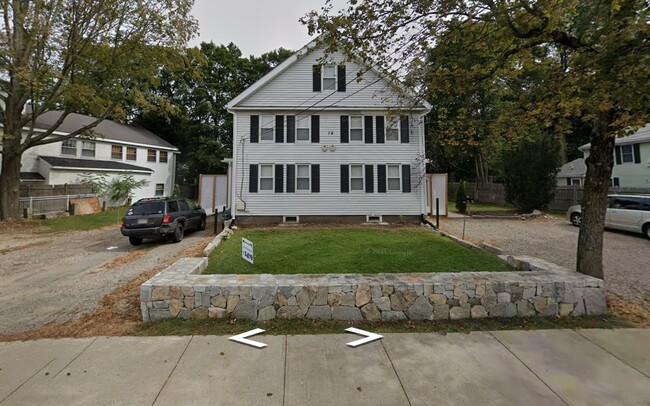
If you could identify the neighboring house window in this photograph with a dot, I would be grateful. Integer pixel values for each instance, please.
(163, 157)
(627, 154)
(303, 125)
(266, 133)
(160, 189)
(617, 182)
(356, 128)
(393, 177)
(116, 151)
(266, 177)
(392, 129)
(575, 182)
(69, 147)
(151, 155)
(356, 177)
(329, 77)
(302, 178)
(88, 149)
(131, 153)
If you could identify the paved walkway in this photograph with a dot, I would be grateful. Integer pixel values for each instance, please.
(551, 367)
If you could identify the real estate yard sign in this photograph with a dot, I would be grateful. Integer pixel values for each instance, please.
(247, 250)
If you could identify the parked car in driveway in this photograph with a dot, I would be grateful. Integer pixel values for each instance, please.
(624, 212)
(162, 217)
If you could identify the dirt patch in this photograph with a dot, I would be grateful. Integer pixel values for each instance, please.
(24, 247)
(123, 260)
(632, 312)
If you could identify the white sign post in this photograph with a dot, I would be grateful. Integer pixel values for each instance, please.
(247, 250)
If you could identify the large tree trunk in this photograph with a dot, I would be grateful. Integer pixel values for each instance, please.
(10, 185)
(594, 204)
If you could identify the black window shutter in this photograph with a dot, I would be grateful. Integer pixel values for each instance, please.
(381, 178)
(291, 128)
(637, 153)
(406, 178)
(368, 129)
(568, 181)
(345, 130)
(380, 129)
(279, 178)
(279, 128)
(618, 155)
(340, 74)
(345, 179)
(315, 129)
(370, 179)
(252, 178)
(291, 178)
(315, 178)
(404, 129)
(617, 182)
(316, 78)
(255, 128)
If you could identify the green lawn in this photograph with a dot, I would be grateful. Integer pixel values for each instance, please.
(87, 222)
(348, 250)
(484, 208)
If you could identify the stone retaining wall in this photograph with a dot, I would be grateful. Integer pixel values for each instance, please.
(537, 288)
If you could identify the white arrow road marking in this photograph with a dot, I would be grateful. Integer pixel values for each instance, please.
(242, 338)
(368, 336)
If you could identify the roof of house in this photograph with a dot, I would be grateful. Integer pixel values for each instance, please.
(60, 162)
(107, 128)
(281, 68)
(639, 137)
(31, 176)
(573, 169)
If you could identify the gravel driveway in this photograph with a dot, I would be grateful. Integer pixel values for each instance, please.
(59, 277)
(626, 257)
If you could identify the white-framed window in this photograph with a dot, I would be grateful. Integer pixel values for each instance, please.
(627, 154)
(356, 178)
(131, 153)
(329, 77)
(267, 128)
(392, 129)
(151, 155)
(303, 178)
(356, 128)
(160, 189)
(575, 182)
(393, 177)
(88, 149)
(266, 177)
(303, 128)
(162, 157)
(69, 147)
(116, 152)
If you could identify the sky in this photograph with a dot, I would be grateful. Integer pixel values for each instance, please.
(255, 26)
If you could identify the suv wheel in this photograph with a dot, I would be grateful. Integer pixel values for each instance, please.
(576, 219)
(646, 230)
(135, 240)
(178, 233)
(202, 223)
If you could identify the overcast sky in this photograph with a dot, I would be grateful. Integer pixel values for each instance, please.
(255, 26)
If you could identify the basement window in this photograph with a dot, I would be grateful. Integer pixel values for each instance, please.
(373, 219)
(291, 219)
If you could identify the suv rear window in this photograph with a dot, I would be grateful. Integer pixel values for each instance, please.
(147, 207)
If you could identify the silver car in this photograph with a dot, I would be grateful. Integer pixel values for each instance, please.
(624, 212)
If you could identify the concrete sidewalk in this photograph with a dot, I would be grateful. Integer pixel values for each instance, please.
(543, 367)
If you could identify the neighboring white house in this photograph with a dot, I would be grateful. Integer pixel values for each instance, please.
(631, 160)
(116, 149)
(572, 173)
(314, 143)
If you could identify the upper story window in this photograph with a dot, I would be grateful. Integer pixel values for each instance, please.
(329, 77)
(151, 155)
(393, 177)
(266, 177)
(88, 149)
(627, 153)
(131, 153)
(303, 126)
(392, 129)
(69, 147)
(356, 177)
(162, 157)
(267, 127)
(356, 128)
(116, 151)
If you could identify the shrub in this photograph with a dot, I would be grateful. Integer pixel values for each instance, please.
(529, 171)
(461, 195)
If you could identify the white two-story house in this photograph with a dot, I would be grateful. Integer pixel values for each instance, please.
(315, 141)
(116, 149)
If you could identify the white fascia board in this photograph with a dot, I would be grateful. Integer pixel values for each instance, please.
(70, 168)
(423, 110)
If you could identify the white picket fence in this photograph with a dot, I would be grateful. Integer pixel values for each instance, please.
(49, 204)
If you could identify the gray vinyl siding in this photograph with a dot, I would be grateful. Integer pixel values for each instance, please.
(330, 200)
(293, 88)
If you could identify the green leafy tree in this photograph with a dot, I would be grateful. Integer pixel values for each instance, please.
(529, 171)
(550, 62)
(77, 56)
(121, 188)
(461, 198)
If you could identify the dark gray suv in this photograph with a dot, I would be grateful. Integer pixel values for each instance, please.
(162, 217)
